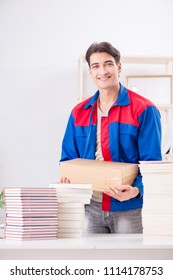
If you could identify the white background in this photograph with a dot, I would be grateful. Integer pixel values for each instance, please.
(40, 43)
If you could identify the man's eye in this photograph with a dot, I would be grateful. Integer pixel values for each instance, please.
(95, 67)
(109, 64)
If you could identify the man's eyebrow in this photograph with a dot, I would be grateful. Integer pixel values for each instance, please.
(95, 63)
(106, 61)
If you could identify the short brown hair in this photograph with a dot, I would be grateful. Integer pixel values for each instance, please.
(102, 47)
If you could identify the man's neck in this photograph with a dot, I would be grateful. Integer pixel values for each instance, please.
(106, 99)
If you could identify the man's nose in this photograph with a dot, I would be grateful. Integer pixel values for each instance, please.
(103, 69)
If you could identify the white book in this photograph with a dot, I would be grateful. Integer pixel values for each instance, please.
(154, 163)
(30, 227)
(167, 222)
(26, 187)
(70, 224)
(70, 216)
(157, 167)
(12, 237)
(71, 186)
(69, 235)
(73, 194)
(32, 223)
(30, 212)
(70, 205)
(71, 210)
(155, 212)
(70, 230)
(157, 231)
(31, 217)
(73, 199)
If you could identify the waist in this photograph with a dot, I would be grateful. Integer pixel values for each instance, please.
(97, 196)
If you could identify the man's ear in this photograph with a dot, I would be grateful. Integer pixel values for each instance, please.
(119, 67)
(89, 70)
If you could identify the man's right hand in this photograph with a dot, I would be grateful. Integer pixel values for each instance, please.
(64, 180)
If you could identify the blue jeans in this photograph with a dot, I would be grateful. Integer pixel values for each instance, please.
(98, 221)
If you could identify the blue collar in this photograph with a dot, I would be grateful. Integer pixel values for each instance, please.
(122, 100)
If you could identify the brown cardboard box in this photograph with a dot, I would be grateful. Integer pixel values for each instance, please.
(100, 174)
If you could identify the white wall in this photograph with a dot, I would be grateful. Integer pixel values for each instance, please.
(40, 42)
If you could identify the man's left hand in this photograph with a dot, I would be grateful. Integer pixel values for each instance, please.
(123, 192)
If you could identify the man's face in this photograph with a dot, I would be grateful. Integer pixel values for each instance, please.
(103, 70)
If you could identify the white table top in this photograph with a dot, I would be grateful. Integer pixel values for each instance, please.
(95, 241)
(98, 246)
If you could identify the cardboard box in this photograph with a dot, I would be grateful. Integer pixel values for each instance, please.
(100, 174)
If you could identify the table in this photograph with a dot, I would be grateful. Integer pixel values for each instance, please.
(96, 246)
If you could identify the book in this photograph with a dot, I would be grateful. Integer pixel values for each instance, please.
(158, 197)
(46, 213)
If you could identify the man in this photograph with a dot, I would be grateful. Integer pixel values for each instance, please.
(115, 124)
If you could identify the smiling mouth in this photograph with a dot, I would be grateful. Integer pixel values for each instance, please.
(104, 78)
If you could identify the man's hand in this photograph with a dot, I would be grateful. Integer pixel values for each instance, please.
(123, 192)
(64, 180)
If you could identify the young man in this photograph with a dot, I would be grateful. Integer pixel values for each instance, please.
(115, 124)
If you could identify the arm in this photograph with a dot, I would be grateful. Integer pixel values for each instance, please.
(149, 147)
(68, 145)
(124, 192)
(149, 140)
(69, 149)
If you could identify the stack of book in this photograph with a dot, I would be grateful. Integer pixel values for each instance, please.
(71, 200)
(52, 212)
(158, 197)
(31, 213)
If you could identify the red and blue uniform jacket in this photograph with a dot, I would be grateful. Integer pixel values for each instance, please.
(130, 133)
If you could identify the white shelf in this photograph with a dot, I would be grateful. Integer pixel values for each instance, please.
(146, 60)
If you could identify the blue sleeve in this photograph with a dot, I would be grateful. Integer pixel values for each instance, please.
(69, 149)
(149, 139)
